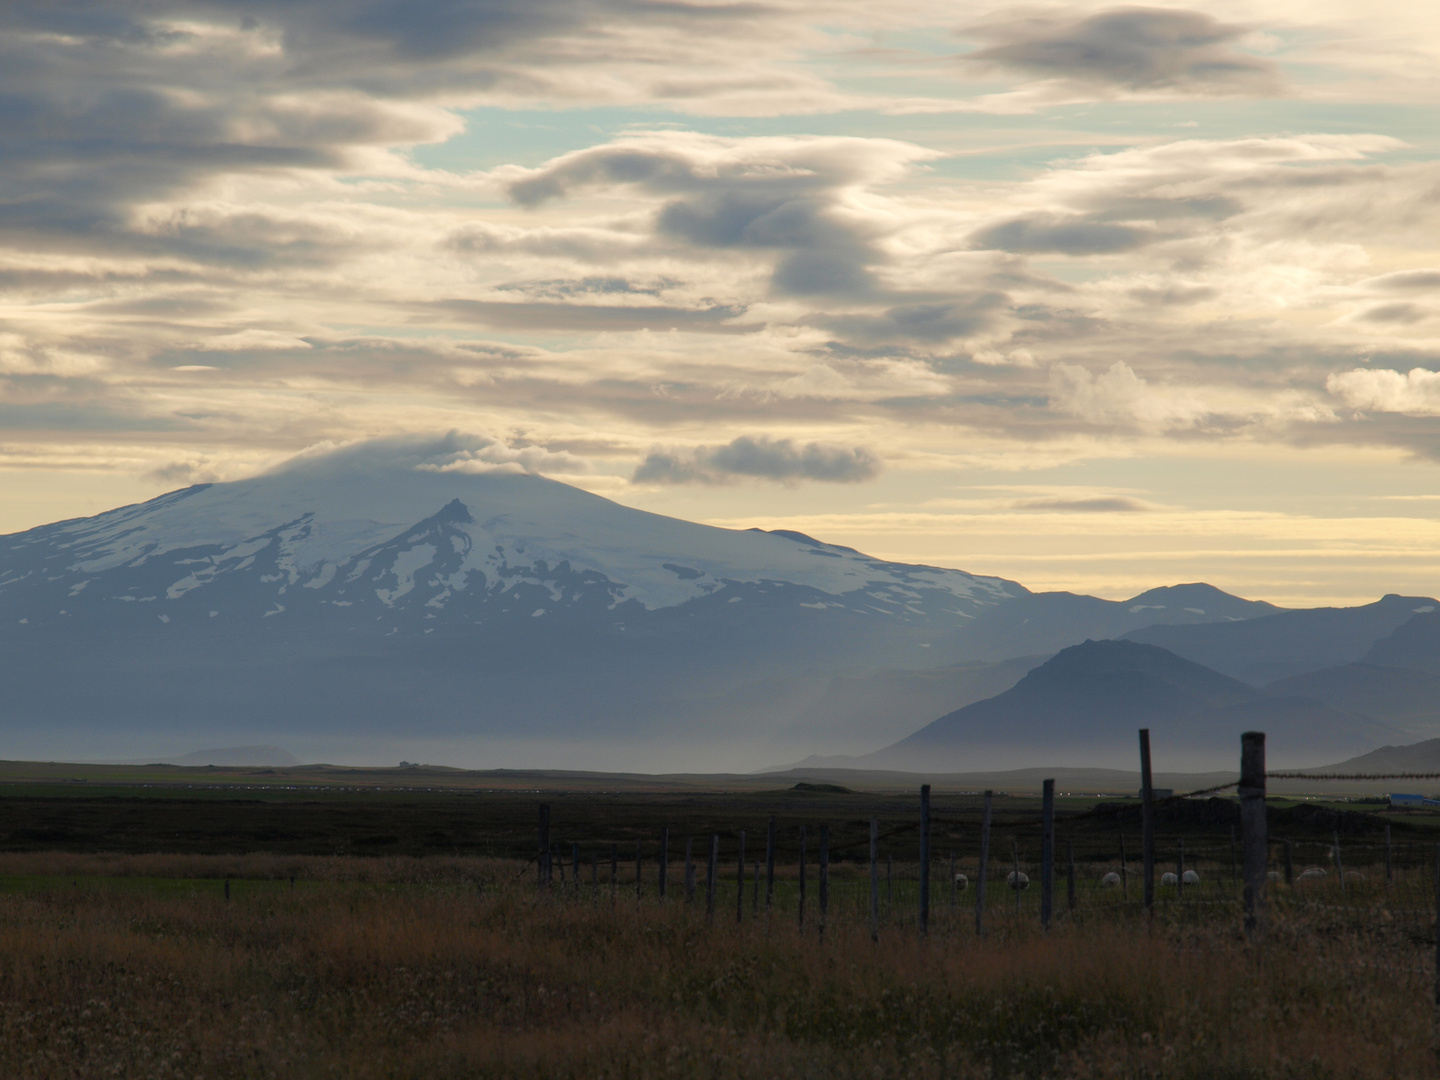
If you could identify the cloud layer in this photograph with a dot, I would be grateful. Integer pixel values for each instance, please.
(611, 235)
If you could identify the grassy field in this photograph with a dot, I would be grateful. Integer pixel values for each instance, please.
(394, 931)
(137, 966)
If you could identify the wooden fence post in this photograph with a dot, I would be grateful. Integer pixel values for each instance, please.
(1047, 853)
(1070, 899)
(1252, 826)
(824, 877)
(689, 872)
(770, 863)
(542, 860)
(637, 870)
(1339, 863)
(802, 878)
(754, 888)
(874, 879)
(1180, 872)
(575, 864)
(1232, 856)
(952, 885)
(1289, 862)
(1124, 871)
(984, 864)
(1437, 953)
(614, 869)
(1015, 881)
(595, 877)
(1147, 824)
(924, 858)
(740, 881)
(710, 876)
(889, 887)
(664, 859)
(1389, 874)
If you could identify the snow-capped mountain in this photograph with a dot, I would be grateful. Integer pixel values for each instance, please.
(385, 593)
(409, 546)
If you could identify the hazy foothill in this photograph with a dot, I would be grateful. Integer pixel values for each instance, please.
(628, 540)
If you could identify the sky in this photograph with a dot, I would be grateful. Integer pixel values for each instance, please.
(1092, 297)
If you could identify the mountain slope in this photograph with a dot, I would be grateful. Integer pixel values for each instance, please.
(1277, 646)
(1041, 624)
(1405, 698)
(1415, 644)
(384, 598)
(1083, 707)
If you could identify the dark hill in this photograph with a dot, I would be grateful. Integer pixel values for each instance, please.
(1084, 705)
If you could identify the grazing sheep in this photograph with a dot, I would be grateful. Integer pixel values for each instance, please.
(1111, 878)
(961, 882)
(1273, 875)
(1168, 878)
(1313, 873)
(1017, 880)
(1191, 878)
(1354, 875)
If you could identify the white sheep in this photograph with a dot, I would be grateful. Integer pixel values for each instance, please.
(1017, 880)
(1273, 875)
(1168, 878)
(1312, 873)
(1191, 878)
(961, 882)
(1110, 879)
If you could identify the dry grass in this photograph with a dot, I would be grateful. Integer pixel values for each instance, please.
(402, 968)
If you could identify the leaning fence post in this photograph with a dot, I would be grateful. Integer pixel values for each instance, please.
(802, 878)
(710, 874)
(770, 862)
(984, 865)
(1047, 853)
(542, 866)
(874, 879)
(1147, 824)
(664, 859)
(1070, 876)
(740, 881)
(924, 858)
(1252, 826)
(824, 877)
(1339, 863)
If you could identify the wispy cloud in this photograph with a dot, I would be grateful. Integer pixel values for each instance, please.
(761, 458)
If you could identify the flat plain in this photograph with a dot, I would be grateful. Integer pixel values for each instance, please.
(208, 928)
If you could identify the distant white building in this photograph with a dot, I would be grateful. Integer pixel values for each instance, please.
(1412, 800)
